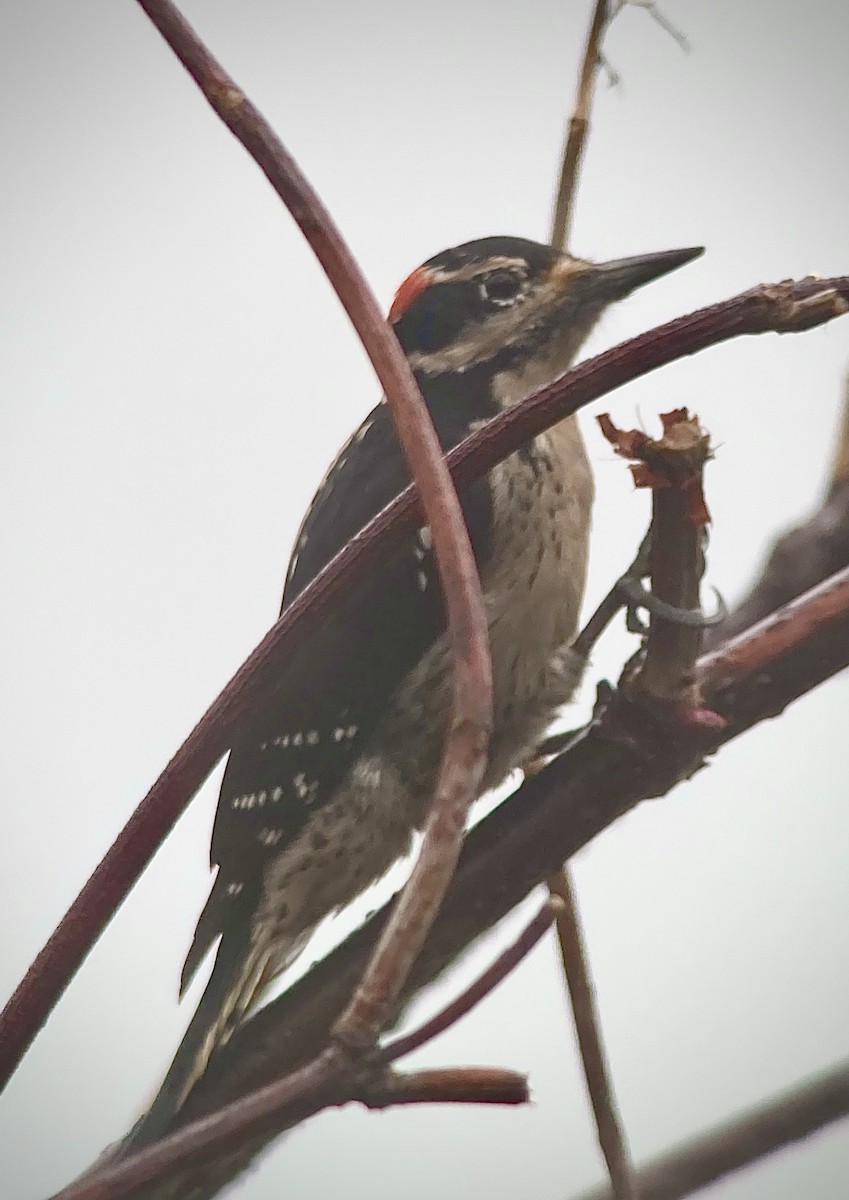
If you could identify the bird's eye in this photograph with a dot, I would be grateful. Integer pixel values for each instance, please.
(502, 287)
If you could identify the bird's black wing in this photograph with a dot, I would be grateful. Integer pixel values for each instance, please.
(298, 748)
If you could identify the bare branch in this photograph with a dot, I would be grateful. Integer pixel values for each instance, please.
(448, 1085)
(318, 1086)
(624, 756)
(579, 126)
(608, 1123)
(333, 1080)
(778, 308)
(506, 962)
(744, 1139)
(415, 911)
(467, 736)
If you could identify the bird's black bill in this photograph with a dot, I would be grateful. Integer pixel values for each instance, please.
(617, 279)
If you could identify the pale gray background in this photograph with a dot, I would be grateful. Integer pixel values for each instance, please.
(176, 375)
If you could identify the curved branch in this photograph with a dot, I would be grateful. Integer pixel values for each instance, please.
(471, 996)
(468, 729)
(779, 308)
(467, 737)
(624, 756)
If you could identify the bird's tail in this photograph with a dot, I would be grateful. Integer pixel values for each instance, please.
(239, 975)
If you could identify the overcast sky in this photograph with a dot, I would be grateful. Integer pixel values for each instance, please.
(176, 375)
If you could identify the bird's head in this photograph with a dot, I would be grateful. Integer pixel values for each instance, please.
(519, 306)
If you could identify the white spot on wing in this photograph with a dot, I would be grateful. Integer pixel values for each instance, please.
(367, 773)
(248, 800)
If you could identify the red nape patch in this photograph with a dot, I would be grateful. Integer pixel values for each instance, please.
(410, 290)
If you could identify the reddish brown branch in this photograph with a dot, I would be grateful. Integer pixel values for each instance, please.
(622, 758)
(330, 1080)
(506, 962)
(321, 1084)
(815, 615)
(743, 1140)
(760, 310)
(324, 1083)
(415, 911)
(576, 969)
(468, 730)
(467, 736)
(448, 1085)
(578, 130)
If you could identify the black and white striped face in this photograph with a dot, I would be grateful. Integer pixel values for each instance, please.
(510, 299)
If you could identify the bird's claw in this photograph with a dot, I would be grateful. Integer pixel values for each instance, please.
(639, 596)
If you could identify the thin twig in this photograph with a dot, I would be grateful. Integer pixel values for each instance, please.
(657, 15)
(617, 762)
(506, 962)
(781, 307)
(744, 1139)
(576, 968)
(611, 1137)
(448, 1085)
(579, 125)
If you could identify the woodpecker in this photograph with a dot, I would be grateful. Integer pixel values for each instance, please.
(323, 791)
